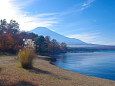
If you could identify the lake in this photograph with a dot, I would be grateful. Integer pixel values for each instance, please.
(98, 64)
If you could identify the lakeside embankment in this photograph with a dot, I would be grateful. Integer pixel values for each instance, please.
(43, 74)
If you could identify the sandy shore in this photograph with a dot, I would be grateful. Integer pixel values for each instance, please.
(44, 74)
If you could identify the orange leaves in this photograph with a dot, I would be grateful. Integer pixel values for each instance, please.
(17, 47)
(6, 42)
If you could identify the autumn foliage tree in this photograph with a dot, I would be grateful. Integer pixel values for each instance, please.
(11, 39)
(6, 42)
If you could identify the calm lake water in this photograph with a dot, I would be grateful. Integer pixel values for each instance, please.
(98, 64)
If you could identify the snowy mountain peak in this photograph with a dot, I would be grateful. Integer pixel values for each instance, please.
(60, 38)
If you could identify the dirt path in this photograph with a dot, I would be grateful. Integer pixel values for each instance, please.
(7, 59)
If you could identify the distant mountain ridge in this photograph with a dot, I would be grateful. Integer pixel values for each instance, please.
(60, 38)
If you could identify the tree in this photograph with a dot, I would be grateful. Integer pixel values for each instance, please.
(55, 46)
(32, 36)
(63, 47)
(6, 42)
(3, 26)
(11, 39)
(13, 27)
(9, 28)
(11, 32)
(47, 39)
(41, 46)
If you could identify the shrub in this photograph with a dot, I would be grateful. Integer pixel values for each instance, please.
(26, 57)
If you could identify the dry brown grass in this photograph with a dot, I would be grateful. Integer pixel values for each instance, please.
(44, 74)
(26, 57)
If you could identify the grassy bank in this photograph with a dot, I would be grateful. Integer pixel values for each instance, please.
(43, 74)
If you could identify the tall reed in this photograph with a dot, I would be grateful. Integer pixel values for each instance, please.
(26, 56)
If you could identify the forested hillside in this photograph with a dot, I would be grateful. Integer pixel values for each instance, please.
(11, 40)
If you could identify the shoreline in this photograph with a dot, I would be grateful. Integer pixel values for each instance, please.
(44, 74)
(74, 75)
(53, 59)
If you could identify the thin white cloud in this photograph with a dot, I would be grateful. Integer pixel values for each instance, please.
(46, 14)
(105, 43)
(91, 38)
(77, 8)
(86, 4)
(22, 3)
(86, 37)
(110, 43)
(9, 10)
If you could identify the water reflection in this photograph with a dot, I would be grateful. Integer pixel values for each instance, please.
(99, 64)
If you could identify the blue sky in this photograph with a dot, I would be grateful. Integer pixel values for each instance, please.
(92, 21)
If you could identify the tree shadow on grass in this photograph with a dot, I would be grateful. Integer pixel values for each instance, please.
(3, 82)
(23, 83)
(38, 71)
(0, 69)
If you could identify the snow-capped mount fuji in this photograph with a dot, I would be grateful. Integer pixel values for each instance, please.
(60, 38)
